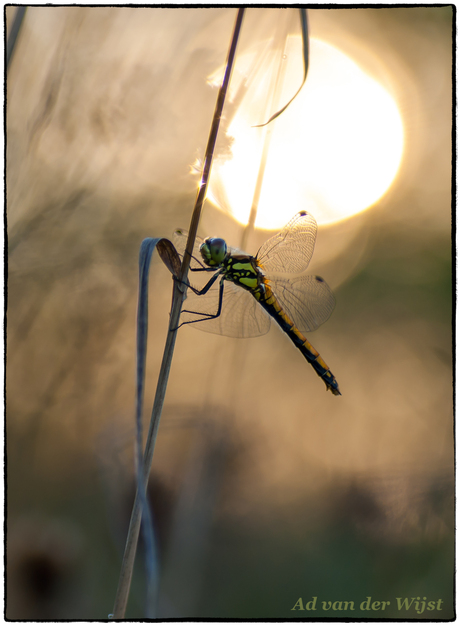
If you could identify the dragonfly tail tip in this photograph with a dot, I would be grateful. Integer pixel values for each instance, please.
(334, 390)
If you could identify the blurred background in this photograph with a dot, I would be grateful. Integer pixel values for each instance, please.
(264, 487)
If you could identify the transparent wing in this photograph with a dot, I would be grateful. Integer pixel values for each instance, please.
(241, 315)
(180, 241)
(308, 300)
(290, 251)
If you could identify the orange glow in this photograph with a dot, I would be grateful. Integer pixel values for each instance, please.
(334, 152)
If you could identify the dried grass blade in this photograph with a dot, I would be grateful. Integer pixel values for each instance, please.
(305, 55)
(124, 583)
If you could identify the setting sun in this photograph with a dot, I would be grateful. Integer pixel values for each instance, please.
(334, 152)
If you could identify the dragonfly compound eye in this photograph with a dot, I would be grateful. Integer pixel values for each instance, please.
(213, 250)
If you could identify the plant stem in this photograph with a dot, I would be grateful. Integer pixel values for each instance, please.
(127, 566)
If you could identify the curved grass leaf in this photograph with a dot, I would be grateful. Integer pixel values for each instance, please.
(305, 54)
(171, 259)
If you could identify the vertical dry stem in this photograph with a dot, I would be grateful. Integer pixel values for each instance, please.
(124, 583)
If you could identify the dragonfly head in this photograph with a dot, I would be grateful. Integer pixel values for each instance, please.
(213, 250)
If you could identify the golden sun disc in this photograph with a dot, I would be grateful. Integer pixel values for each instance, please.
(334, 152)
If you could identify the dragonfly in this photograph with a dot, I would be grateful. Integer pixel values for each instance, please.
(246, 292)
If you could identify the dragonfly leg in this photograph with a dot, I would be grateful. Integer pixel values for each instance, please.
(206, 288)
(206, 316)
(195, 259)
(202, 268)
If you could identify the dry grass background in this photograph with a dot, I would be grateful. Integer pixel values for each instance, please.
(264, 487)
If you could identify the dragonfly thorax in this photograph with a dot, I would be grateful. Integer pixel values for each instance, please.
(214, 251)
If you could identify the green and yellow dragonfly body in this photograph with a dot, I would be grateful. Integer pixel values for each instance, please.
(246, 292)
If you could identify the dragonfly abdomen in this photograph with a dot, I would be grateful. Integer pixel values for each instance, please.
(270, 303)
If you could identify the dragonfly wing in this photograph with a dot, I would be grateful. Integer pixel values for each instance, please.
(308, 300)
(241, 315)
(180, 241)
(290, 251)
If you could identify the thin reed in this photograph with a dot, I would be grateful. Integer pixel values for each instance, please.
(124, 583)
